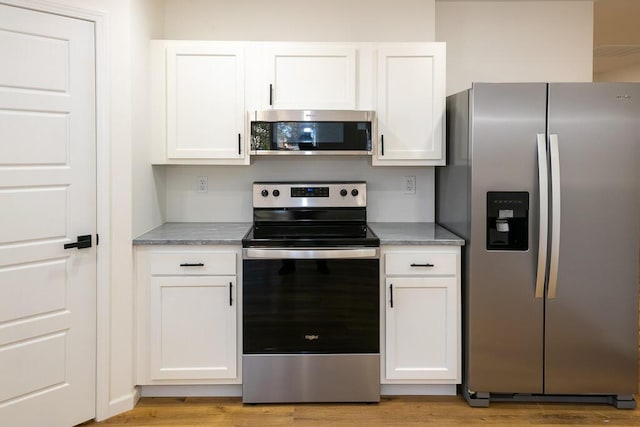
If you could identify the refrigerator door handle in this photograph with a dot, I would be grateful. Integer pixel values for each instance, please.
(555, 215)
(543, 191)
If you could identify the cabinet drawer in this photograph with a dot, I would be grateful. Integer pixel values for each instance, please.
(193, 262)
(420, 263)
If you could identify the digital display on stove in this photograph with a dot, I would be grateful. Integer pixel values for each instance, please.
(309, 191)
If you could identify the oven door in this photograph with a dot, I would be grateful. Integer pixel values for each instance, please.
(302, 301)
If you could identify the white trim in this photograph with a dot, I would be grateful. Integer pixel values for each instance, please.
(418, 390)
(232, 390)
(103, 161)
(226, 390)
(124, 403)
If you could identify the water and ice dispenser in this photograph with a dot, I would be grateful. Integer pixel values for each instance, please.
(507, 220)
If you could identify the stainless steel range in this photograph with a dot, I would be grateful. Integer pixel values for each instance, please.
(311, 313)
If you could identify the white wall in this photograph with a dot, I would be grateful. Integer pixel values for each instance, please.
(229, 196)
(486, 41)
(325, 20)
(515, 41)
(148, 185)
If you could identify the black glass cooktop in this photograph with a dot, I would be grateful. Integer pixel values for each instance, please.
(316, 235)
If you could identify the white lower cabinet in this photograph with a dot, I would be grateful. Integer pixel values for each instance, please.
(421, 296)
(187, 315)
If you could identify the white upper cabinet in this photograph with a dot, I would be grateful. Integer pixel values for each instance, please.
(309, 76)
(411, 96)
(201, 99)
(203, 93)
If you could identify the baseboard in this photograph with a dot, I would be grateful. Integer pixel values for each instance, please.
(235, 390)
(418, 389)
(122, 404)
(225, 390)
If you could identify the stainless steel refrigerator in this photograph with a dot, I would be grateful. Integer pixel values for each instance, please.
(543, 182)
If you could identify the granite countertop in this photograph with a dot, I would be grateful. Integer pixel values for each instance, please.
(414, 233)
(195, 233)
(229, 233)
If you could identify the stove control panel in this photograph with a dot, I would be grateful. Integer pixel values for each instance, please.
(309, 191)
(309, 194)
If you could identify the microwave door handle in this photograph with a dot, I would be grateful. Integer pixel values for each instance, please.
(555, 215)
(543, 192)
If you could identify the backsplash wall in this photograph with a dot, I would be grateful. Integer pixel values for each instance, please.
(229, 187)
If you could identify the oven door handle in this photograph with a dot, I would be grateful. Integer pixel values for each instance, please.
(254, 253)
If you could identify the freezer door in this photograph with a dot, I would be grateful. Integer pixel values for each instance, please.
(503, 318)
(591, 322)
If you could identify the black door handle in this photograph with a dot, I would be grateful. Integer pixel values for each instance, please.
(230, 293)
(82, 243)
(382, 145)
(391, 295)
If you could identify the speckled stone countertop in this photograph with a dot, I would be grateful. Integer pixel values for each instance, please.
(195, 233)
(414, 233)
(230, 233)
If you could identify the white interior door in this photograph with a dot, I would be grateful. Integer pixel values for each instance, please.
(47, 199)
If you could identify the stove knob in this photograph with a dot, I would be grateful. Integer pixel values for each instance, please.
(276, 193)
(264, 193)
(354, 192)
(343, 192)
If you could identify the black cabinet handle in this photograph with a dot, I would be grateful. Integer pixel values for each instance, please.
(187, 264)
(391, 295)
(270, 94)
(230, 293)
(82, 242)
(239, 144)
(422, 265)
(382, 145)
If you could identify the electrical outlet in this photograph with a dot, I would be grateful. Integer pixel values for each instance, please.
(203, 184)
(409, 184)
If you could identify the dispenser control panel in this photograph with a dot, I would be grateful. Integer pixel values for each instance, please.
(508, 220)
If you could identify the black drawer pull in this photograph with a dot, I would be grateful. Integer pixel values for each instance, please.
(422, 265)
(197, 264)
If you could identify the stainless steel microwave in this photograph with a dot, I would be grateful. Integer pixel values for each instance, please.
(312, 132)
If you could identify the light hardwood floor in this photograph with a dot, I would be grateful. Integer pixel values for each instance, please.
(391, 411)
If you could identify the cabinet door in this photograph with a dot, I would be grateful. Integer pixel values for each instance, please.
(421, 328)
(192, 326)
(205, 101)
(411, 105)
(311, 77)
